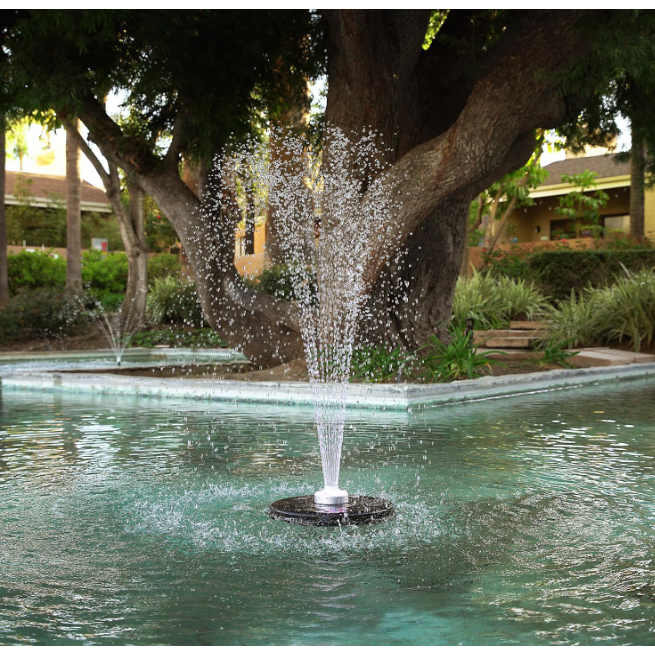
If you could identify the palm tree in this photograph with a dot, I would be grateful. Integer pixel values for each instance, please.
(4, 283)
(73, 215)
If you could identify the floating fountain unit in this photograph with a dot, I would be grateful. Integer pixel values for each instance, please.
(328, 264)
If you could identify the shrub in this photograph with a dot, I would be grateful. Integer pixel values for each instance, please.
(104, 272)
(560, 272)
(34, 270)
(205, 338)
(43, 313)
(455, 360)
(109, 300)
(172, 300)
(623, 311)
(163, 265)
(494, 301)
(278, 281)
(512, 263)
(630, 309)
(556, 353)
(378, 363)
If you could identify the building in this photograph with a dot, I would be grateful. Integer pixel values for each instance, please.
(540, 222)
(46, 191)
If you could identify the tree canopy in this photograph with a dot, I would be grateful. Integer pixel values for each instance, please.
(197, 77)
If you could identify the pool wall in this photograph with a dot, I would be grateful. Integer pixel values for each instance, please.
(401, 397)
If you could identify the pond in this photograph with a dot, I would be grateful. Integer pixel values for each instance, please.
(523, 520)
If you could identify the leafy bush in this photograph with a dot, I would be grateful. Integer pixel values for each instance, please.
(494, 301)
(512, 263)
(163, 265)
(278, 281)
(560, 272)
(556, 353)
(43, 313)
(35, 270)
(624, 311)
(205, 338)
(378, 363)
(109, 300)
(456, 360)
(172, 300)
(104, 272)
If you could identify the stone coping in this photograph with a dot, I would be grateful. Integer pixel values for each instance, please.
(403, 397)
(129, 355)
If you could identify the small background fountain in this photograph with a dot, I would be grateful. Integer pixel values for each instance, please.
(332, 218)
(118, 328)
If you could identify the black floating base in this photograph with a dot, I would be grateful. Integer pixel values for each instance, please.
(358, 510)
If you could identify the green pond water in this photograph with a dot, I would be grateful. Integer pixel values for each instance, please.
(524, 520)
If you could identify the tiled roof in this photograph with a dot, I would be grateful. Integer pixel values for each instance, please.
(46, 186)
(602, 165)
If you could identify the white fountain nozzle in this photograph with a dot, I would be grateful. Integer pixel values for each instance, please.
(331, 496)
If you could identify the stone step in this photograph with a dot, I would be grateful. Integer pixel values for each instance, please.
(511, 355)
(483, 335)
(510, 342)
(527, 325)
(588, 357)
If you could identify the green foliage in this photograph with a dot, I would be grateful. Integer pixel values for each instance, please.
(222, 69)
(575, 321)
(34, 270)
(630, 309)
(42, 314)
(493, 301)
(106, 272)
(512, 263)
(454, 360)
(109, 300)
(178, 338)
(379, 363)
(160, 234)
(556, 353)
(278, 281)
(580, 206)
(560, 272)
(624, 311)
(163, 265)
(172, 300)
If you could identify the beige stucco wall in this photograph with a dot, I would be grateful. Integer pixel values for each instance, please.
(649, 217)
(540, 215)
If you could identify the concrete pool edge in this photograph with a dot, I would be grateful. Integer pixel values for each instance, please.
(402, 397)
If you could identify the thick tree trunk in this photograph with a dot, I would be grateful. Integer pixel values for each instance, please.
(73, 216)
(444, 149)
(266, 329)
(637, 174)
(4, 281)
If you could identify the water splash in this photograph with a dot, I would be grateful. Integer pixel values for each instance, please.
(333, 220)
(118, 328)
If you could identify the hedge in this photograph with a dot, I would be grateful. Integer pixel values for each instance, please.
(108, 274)
(561, 271)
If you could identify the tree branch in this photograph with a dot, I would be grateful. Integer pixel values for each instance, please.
(172, 157)
(85, 148)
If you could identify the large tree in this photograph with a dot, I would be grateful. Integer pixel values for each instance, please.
(457, 116)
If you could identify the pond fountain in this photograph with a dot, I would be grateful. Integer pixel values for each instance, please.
(117, 328)
(332, 216)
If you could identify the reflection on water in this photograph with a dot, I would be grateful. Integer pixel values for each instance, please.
(526, 520)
